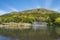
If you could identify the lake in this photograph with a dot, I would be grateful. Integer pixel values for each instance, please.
(7, 38)
(25, 35)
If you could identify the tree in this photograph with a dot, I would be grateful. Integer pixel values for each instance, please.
(0, 20)
(57, 20)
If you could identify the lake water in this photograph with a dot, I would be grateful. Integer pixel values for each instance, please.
(7, 38)
(58, 38)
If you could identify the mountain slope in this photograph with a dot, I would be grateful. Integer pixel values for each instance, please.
(39, 14)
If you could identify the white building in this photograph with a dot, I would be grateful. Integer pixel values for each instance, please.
(39, 25)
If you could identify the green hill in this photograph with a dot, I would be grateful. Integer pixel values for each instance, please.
(38, 14)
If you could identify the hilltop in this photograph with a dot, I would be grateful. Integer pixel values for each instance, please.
(38, 14)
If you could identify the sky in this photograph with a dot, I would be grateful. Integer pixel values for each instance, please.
(7, 6)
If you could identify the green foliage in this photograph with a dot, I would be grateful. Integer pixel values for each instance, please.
(30, 16)
(57, 20)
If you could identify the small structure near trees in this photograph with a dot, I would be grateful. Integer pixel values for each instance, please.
(39, 25)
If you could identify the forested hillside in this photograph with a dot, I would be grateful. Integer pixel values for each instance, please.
(29, 16)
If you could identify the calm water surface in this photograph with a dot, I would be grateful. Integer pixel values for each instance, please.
(7, 38)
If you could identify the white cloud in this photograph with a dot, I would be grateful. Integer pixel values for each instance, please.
(38, 6)
(56, 9)
(48, 3)
(13, 9)
(10, 7)
(2, 12)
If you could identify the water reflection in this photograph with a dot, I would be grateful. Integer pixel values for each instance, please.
(7, 38)
(58, 38)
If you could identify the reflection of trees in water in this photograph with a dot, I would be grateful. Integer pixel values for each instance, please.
(53, 31)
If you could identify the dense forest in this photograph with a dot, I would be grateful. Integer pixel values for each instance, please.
(29, 16)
